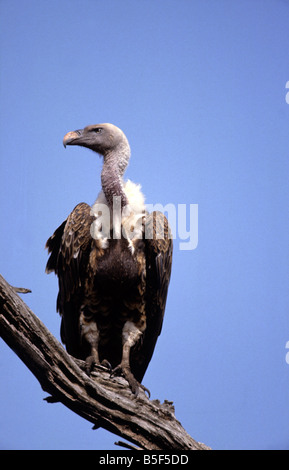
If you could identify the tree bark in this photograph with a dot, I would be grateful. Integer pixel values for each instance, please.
(105, 401)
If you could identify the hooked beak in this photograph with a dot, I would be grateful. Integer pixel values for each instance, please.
(73, 138)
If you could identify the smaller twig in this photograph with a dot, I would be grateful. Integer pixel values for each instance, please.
(21, 290)
(51, 399)
(127, 446)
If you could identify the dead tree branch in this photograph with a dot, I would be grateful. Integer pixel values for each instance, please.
(104, 401)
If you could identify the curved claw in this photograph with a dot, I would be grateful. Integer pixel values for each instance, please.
(116, 371)
(107, 365)
(146, 390)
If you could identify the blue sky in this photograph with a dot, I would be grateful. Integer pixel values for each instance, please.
(198, 86)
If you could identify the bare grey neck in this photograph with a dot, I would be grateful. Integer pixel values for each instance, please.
(114, 165)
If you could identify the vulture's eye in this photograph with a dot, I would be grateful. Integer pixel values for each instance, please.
(97, 130)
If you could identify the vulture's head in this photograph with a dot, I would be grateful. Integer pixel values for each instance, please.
(105, 139)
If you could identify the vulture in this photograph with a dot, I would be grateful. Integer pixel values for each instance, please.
(113, 261)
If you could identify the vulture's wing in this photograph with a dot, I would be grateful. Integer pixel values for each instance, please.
(159, 250)
(69, 249)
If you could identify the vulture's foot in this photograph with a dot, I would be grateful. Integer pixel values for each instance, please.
(93, 361)
(133, 383)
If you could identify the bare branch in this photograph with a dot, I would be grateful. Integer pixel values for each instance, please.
(105, 401)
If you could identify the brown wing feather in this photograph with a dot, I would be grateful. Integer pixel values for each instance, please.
(159, 250)
(69, 249)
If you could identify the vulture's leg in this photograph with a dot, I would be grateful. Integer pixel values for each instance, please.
(90, 333)
(130, 335)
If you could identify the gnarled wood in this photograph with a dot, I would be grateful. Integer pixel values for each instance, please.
(104, 401)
